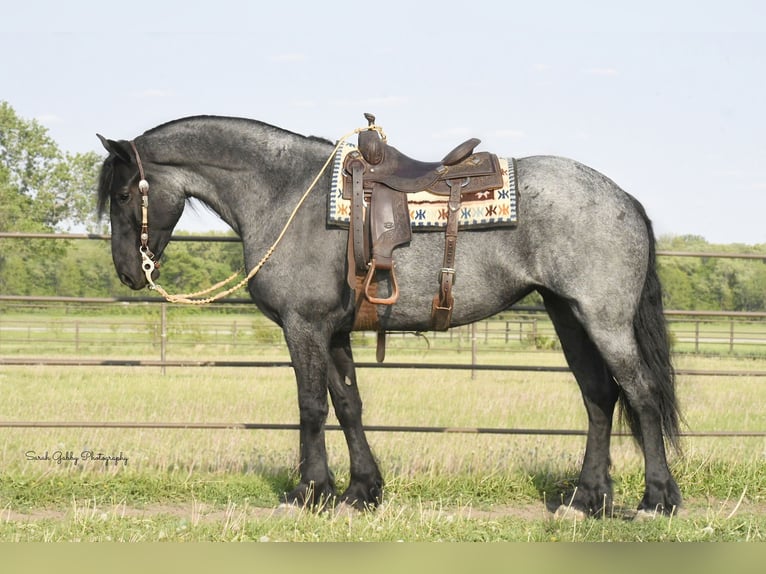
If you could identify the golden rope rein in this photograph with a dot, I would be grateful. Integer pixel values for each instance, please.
(192, 298)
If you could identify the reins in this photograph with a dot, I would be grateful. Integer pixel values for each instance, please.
(148, 259)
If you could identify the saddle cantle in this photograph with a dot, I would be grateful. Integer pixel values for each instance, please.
(377, 178)
(388, 166)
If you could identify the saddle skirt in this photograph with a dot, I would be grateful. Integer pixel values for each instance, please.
(429, 211)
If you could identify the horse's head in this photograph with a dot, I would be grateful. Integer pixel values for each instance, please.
(119, 189)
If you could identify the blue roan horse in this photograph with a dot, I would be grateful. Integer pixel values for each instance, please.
(585, 245)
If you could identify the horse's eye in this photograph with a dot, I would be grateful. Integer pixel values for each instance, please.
(123, 196)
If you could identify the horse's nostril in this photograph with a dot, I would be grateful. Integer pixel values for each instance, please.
(126, 280)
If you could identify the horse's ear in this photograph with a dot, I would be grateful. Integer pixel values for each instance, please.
(116, 148)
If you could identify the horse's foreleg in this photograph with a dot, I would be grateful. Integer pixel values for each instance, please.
(311, 363)
(365, 488)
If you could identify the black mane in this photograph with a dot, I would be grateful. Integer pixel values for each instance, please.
(105, 179)
(232, 119)
(106, 176)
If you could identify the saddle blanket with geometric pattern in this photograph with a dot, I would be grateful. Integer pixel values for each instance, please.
(428, 211)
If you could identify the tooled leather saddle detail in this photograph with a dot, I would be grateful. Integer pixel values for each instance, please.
(377, 179)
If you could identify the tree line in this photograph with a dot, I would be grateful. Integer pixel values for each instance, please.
(45, 189)
(712, 283)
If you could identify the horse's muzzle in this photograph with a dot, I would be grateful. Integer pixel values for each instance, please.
(132, 283)
(137, 282)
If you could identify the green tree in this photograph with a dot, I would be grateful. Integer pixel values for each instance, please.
(711, 283)
(192, 266)
(42, 189)
(750, 293)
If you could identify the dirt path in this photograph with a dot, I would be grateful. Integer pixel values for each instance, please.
(198, 512)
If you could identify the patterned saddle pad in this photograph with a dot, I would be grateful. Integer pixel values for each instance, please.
(428, 212)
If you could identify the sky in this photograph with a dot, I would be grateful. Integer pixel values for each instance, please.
(667, 98)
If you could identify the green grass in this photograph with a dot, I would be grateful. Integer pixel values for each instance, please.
(396, 521)
(225, 484)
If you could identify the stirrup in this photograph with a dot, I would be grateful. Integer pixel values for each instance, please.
(376, 300)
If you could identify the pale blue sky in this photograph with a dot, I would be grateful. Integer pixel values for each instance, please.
(665, 97)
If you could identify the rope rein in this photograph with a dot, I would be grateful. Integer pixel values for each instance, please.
(147, 257)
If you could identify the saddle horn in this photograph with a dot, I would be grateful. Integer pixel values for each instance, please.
(371, 145)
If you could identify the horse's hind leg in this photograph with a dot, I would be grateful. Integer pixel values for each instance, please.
(593, 495)
(643, 406)
(646, 391)
(365, 488)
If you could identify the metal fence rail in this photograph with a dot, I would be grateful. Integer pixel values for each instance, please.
(485, 331)
(235, 239)
(61, 362)
(369, 428)
(85, 331)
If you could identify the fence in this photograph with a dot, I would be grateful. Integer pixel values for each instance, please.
(149, 332)
(70, 331)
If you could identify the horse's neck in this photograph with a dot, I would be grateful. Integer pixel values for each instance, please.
(227, 180)
(263, 174)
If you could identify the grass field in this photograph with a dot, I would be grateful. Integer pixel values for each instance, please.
(224, 485)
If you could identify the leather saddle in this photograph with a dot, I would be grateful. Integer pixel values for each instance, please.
(377, 179)
(391, 168)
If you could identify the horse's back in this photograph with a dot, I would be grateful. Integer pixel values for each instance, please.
(558, 188)
(569, 208)
(586, 237)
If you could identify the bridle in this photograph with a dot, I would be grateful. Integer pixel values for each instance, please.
(148, 260)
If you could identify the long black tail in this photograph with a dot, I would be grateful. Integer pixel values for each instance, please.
(651, 332)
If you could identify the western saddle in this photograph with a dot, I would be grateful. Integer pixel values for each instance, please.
(379, 176)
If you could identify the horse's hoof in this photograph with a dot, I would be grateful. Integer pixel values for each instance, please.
(363, 497)
(565, 512)
(308, 497)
